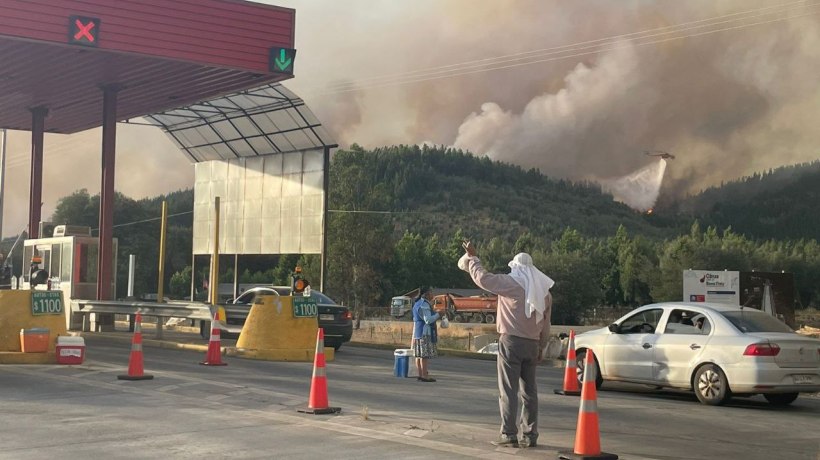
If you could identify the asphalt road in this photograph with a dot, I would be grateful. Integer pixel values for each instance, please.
(248, 409)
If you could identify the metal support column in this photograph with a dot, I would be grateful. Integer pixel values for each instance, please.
(38, 124)
(325, 184)
(109, 141)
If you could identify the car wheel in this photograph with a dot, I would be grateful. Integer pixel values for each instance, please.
(780, 399)
(580, 363)
(711, 385)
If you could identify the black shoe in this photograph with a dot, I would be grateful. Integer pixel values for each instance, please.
(529, 440)
(427, 379)
(506, 441)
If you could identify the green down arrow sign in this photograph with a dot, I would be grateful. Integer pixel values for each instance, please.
(280, 60)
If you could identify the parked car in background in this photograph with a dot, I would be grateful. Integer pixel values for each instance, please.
(335, 319)
(715, 350)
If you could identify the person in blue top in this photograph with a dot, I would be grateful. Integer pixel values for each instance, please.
(424, 333)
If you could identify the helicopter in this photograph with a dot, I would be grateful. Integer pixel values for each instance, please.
(660, 153)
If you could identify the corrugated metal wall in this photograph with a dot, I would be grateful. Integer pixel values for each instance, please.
(228, 33)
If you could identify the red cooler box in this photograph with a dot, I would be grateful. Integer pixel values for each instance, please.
(70, 350)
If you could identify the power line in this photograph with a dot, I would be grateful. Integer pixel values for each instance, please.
(484, 61)
(346, 211)
(517, 62)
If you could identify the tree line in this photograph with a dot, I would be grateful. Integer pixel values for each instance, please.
(397, 217)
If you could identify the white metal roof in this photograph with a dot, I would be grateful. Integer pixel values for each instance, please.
(260, 121)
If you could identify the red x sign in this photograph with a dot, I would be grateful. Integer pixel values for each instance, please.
(83, 30)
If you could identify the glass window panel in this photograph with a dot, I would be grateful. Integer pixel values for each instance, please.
(313, 182)
(299, 140)
(261, 145)
(284, 121)
(265, 123)
(291, 163)
(246, 127)
(314, 160)
(242, 148)
(245, 101)
(226, 130)
(273, 165)
(308, 115)
(66, 258)
(291, 185)
(191, 137)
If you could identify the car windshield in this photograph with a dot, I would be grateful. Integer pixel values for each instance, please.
(248, 296)
(317, 296)
(748, 320)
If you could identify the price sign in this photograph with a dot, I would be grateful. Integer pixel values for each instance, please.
(46, 302)
(304, 307)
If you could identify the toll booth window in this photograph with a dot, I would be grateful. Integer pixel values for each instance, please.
(85, 263)
(27, 252)
(65, 263)
(54, 264)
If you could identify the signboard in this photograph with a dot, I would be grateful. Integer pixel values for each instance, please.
(711, 286)
(46, 303)
(772, 293)
(281, 60)
(83, 31)
(304, 307)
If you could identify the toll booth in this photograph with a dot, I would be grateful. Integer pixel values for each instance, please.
(71, 264)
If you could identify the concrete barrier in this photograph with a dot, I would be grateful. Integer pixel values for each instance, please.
(459, 336)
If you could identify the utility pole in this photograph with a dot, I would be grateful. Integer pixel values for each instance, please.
(2, 179)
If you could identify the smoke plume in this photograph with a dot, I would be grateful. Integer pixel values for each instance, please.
(732, 92)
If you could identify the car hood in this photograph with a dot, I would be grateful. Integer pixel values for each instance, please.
(594, 332)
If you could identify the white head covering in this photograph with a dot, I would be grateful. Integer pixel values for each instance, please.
(463, 263)
(535, 283)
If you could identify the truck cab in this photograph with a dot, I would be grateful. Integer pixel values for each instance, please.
(400, 305)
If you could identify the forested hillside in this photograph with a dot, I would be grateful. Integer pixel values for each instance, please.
(435, 190)
(397, 216)
(780, 203)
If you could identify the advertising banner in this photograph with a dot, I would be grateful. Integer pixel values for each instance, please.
(711, 286)
(772, 293)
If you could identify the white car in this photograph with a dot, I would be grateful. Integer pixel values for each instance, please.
(715, 350)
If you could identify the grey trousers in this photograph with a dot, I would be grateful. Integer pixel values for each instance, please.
(517, 361)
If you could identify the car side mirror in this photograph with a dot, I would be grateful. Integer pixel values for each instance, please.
(563, 336)
(613, 328)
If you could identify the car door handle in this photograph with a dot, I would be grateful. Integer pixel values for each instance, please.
(646, 346)
(694, 346)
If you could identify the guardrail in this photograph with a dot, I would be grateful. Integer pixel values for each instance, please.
(174, 309)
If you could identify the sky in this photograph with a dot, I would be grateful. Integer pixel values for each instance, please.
(579, 90)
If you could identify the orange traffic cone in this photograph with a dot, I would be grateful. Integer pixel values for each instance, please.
(570, 371)
(213, 357)
(318, 403)
(587, 436)
(135, 360)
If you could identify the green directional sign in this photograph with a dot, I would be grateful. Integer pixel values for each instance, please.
(46, 302)
(304, 307)
(281, 60)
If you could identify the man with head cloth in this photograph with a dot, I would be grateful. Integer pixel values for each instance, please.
(523, 322)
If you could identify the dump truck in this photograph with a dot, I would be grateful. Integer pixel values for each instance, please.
(473, 309)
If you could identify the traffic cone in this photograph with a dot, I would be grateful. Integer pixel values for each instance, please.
(587, 436)
(213, 357)
(570, 371)
(318, 403)
(135, 360)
